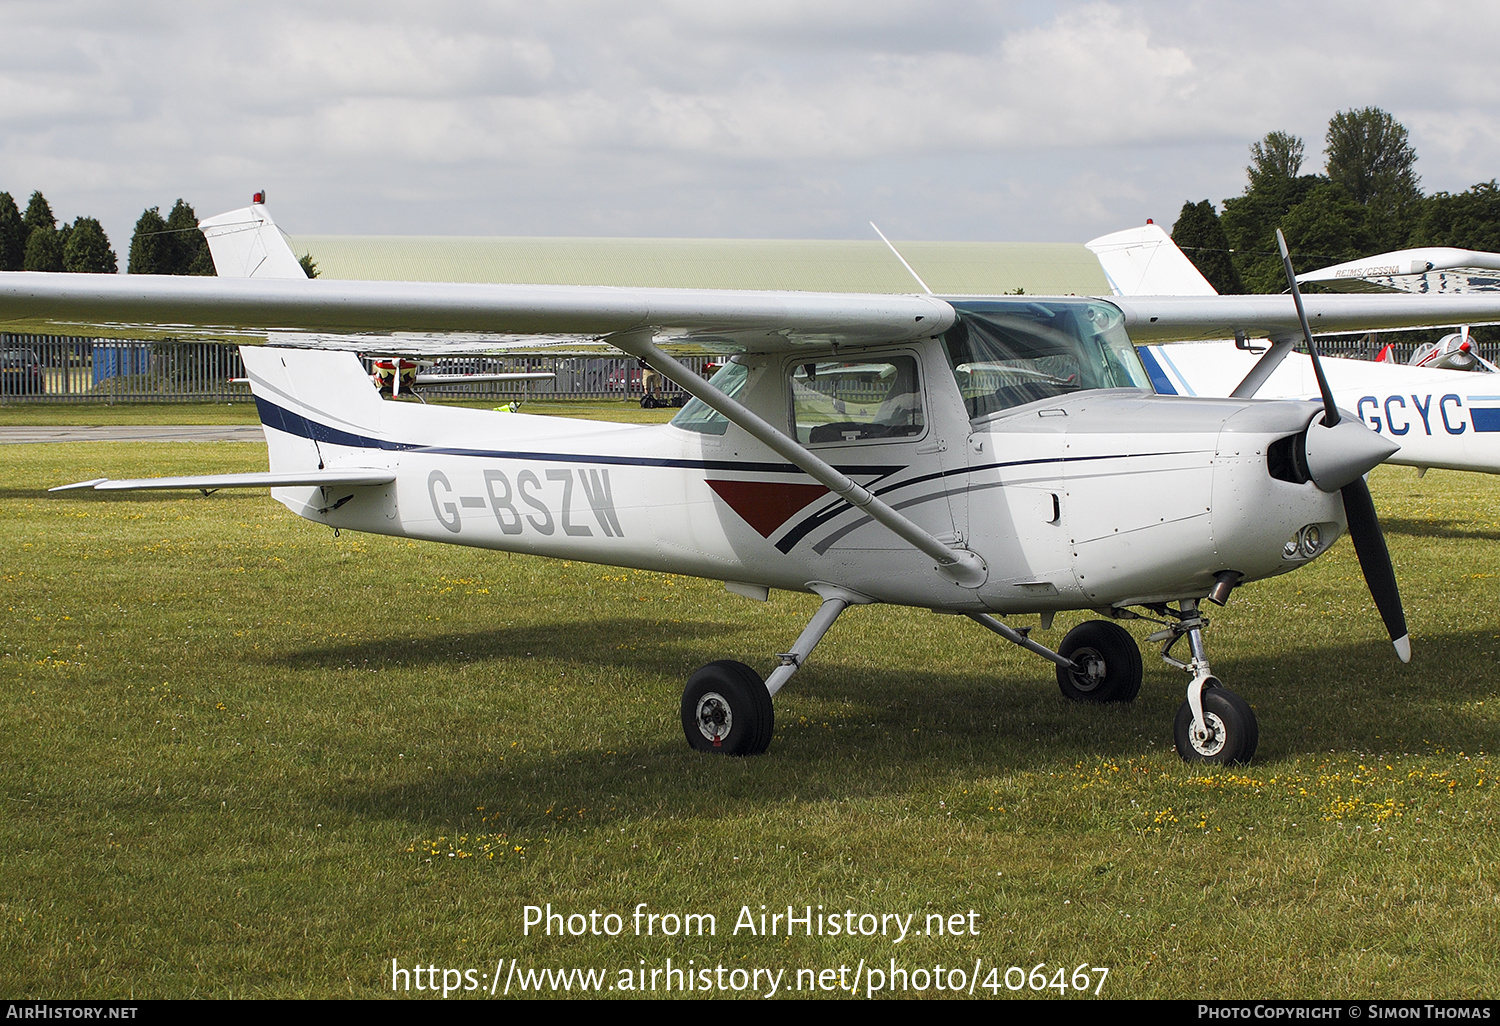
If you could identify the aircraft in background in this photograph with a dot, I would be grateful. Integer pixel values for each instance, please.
(1428, 269)
(987, 457)
(1425, 270)
(1441, 414)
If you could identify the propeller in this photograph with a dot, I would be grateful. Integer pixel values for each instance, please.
(1339, 452)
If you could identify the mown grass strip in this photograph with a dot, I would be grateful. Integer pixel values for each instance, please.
(248, 758)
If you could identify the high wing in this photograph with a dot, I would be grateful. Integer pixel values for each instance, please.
(444, 319)
(1193, 318)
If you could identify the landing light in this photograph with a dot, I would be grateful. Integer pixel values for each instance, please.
(1305, 544)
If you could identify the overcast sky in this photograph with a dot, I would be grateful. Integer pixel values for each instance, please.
(1026, 121)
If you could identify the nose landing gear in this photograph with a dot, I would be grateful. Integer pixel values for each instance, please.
(1213, 724)
(1227, 733)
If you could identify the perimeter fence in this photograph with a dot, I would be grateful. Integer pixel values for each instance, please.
(58, 369)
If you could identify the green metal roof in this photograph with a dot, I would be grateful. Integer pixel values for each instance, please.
(949, 268)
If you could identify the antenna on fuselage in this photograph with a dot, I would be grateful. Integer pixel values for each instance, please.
(901, 258)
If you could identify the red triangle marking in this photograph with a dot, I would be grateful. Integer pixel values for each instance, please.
(766, 505)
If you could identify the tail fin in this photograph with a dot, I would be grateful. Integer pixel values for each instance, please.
(1145, 261)
(318, 407)
(246, 243)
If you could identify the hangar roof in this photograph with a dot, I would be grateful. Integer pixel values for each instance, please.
(949, 268)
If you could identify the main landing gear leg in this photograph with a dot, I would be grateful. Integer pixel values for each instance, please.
(726, 707)
(1214, 724)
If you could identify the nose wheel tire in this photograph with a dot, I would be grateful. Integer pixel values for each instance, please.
(1229, 736)
(727, 709)
(1107, 663)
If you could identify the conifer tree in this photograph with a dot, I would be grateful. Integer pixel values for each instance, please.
(188, 247)
(1201, 237)
(148, 252)
(87, 249)
(44, 251)
(12, 235)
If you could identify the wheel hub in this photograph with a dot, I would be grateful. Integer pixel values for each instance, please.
(714, 717)
(1208, 740)
(1091, 672)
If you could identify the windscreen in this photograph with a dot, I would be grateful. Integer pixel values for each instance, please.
(1006, 353)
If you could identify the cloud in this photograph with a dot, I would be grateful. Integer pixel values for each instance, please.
(677, 117)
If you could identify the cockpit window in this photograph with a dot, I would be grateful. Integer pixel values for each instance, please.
(842, 401)
(699, 416)
(1008, 353)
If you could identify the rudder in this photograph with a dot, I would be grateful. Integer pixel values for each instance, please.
(314, 405)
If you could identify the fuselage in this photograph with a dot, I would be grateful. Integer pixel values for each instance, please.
(1094, 497)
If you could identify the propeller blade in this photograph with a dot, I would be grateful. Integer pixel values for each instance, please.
(1330, 411)
(1348, 451)
(1375, 561)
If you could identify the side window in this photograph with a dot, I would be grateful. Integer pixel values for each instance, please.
(699, 416)
(853, 401)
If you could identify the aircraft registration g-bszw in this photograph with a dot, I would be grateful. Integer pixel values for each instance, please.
(1443, 412)
(982, 456)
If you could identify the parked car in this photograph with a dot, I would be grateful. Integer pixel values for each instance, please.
(21, 373)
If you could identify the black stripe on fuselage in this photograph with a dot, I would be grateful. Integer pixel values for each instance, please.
(811, 523)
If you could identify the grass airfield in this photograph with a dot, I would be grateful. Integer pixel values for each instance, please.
(247, 758)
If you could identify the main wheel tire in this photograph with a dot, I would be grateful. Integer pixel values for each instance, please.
(1233, 732)
(1111, 660)
(727, 709)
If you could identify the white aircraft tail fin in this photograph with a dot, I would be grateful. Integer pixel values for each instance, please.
(314, 404)
(1145, 261)
(246, 243)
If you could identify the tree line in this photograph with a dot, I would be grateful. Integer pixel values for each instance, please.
(34, 241)
(1367, 201)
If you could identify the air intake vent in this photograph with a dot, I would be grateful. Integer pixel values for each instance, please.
(1286, 459)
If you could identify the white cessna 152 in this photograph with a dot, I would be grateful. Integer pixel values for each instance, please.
(988, 456)
(1443, 409)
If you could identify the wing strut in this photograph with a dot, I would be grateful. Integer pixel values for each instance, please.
(963, 567)
(1263, 368)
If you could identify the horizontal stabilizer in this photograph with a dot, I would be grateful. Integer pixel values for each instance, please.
(474, 379)
(213, 482)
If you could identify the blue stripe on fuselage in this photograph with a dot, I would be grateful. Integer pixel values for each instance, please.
(1485, 419)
